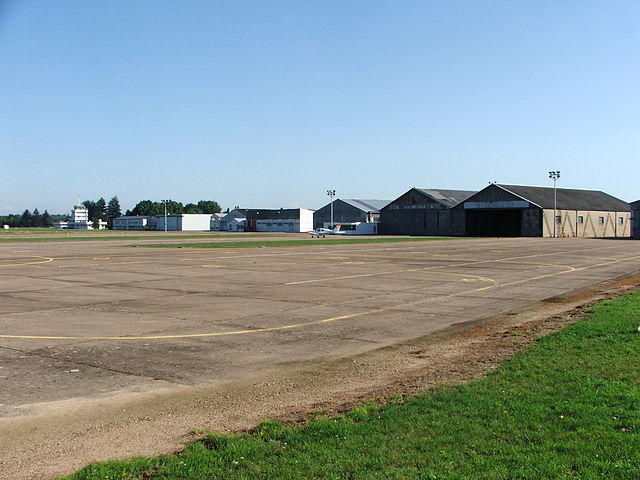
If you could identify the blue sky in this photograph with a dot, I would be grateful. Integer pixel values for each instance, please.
(270, 103)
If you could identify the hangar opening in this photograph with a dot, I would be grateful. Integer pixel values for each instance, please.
(494, 223)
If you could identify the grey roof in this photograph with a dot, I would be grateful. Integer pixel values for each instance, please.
(370, 206)
(569, 199)
(448, 198)
(635, 205)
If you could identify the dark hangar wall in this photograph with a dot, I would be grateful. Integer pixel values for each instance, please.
(635, 219)
(415, 214)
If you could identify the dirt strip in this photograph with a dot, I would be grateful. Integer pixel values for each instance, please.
(162, 422)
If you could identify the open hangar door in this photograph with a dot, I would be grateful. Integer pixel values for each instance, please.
(494, 223)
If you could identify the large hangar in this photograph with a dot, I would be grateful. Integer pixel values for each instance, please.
(523, 211)
(635, 220)
(421, 211)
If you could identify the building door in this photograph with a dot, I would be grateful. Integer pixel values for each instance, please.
(494, 223)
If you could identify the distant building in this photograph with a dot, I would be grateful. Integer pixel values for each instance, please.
(356, 228)
(635, 220)
(421, 211)
(134, 222)
(185, 222)
(214, 224)
(524, 211)
(281, 220)
(349, 210)
(80, 220)
(234, 221)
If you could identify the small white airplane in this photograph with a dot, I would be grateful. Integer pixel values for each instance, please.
(323, 232)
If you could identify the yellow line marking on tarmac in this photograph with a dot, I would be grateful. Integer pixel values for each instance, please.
(494, 284)
(258, 330)
(268, 329)
(36, 262)
(552, 265)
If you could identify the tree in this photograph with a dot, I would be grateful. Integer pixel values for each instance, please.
(191, 208)
(36, 219)
(99, 213)
(46, 219)
(25, 220)
(101, 208)
(208, 206)
(146, 208)
(113, 211)
(90, 205)
(173, 207)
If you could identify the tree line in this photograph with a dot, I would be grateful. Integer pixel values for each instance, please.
(148, 208)
(28, 219)
(102, 210)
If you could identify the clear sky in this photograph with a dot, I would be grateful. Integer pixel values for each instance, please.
(269, 103)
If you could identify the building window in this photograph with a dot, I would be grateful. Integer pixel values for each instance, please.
(558, 219)
(601, 220)
(580, 219)
(620, 220)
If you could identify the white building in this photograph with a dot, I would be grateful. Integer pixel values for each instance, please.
(134, 222)
(355, 228)
(281, 220)
(80, 220)
(185, 222)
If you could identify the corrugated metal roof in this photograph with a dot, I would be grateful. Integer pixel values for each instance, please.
(569, 199)
(369, 206)
(448, 198)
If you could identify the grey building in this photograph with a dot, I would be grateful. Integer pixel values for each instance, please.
(516, 210)
(349, 210)
(635, 220)
(421, 211)
(279, 220)
(135, 222)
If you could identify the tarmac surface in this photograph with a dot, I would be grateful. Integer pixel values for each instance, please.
(86, 319)
(101, 319)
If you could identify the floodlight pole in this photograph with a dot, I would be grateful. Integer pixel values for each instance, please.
(331, 193)
(554, 175)
(165, 216)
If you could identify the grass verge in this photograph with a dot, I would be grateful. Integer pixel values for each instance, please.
(290, 243)
(566, 408)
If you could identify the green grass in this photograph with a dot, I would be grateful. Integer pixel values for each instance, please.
(566, 408)
(291, 243)
(31, 230)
